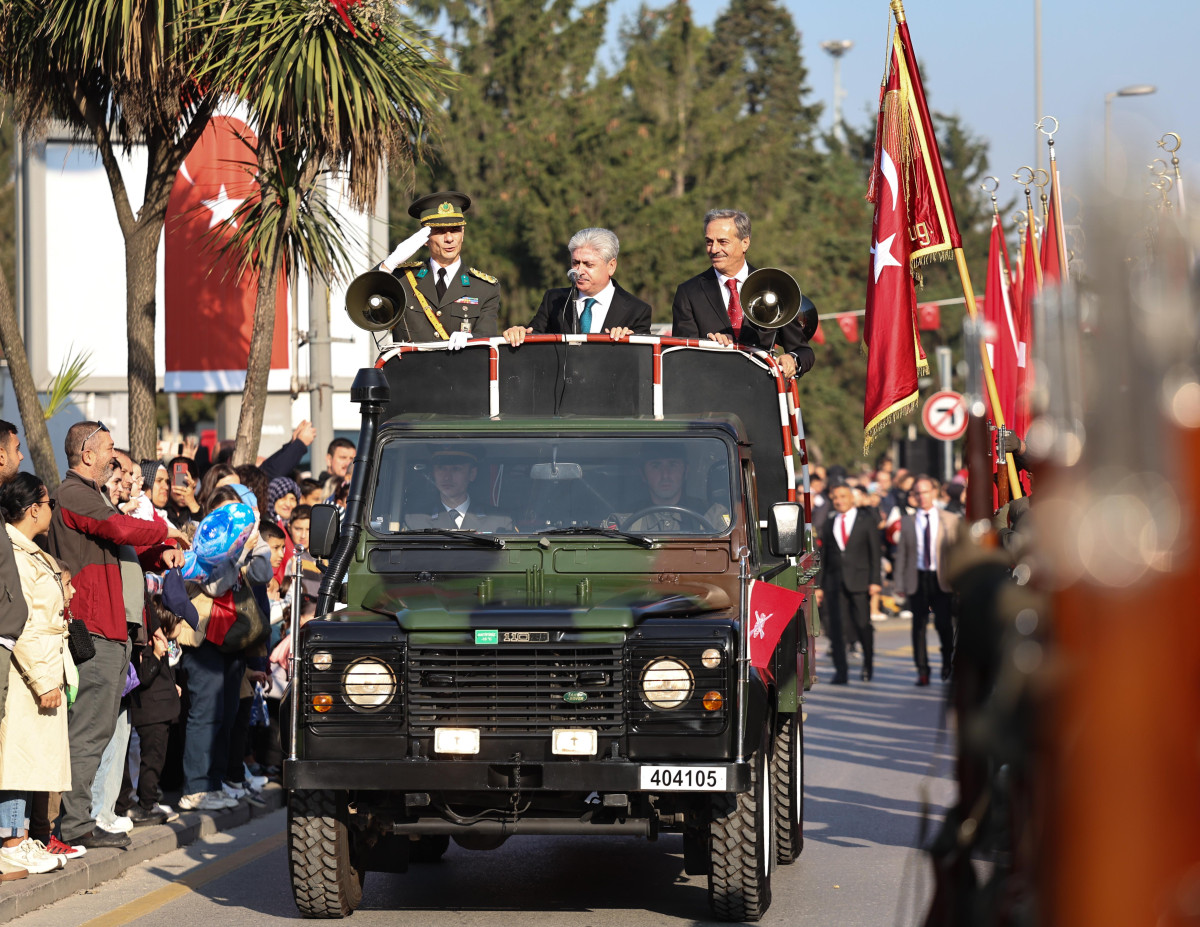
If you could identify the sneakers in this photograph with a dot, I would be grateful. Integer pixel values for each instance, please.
(58, 848)
(206, 801)
(114, 824)
(99, 837)
(235, 792)
(10, 873)
(61, 857)
(167, 810)
(254, 783)
(29, 855)
(146, 817)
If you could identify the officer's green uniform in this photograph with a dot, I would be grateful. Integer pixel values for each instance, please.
(472, 298)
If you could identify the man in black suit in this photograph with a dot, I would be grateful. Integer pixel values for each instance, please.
(599, 304)
(850, 566)
(709, 305)
(454, 470)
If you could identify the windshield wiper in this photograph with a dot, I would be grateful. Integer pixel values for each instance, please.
(486, 540)
(638, 539)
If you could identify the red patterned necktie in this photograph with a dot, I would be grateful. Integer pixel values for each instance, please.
(735, 308)
(845, 535)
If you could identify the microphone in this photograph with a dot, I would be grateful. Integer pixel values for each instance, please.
(569, 305)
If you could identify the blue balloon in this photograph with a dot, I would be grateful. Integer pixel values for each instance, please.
(222, 534)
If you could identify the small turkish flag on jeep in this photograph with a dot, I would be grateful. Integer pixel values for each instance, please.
(771, 608)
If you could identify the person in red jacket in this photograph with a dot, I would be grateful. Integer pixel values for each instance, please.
(86, 534)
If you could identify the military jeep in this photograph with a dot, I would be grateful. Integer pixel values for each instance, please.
(571, 655)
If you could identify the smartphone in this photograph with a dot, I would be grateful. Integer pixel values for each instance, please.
(179, 474)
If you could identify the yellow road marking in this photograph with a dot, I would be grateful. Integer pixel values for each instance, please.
(132, 910)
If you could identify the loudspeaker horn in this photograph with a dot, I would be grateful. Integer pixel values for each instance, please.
(770, 297)
(375, 300)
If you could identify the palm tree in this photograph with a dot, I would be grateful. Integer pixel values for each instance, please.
(338, 88)
(120, 74)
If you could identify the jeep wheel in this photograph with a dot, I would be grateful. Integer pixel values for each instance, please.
(787, 784)
(739, 874)
(325, 881)
(429, 848)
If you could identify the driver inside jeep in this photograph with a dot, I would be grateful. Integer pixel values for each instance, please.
(454, 470)
(666, 509)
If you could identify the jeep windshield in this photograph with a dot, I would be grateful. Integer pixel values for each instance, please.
(525, 484)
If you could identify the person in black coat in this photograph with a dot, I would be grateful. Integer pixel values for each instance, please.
(600, 305)
(701, 308)
(153, 707)
(850, 571)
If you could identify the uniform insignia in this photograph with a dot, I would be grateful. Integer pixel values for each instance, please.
(465, 280)
(445, 209)
(423, 271)
(408, 264)
(468, 300)
(486, 278)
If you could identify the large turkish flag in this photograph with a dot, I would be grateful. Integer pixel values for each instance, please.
(209, 310)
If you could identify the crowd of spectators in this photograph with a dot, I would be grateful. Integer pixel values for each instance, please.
(143, 623)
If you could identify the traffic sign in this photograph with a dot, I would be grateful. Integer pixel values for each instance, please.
(944, 415)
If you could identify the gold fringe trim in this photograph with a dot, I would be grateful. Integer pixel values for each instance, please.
(931, 255)
(892, 413)
(923, 366)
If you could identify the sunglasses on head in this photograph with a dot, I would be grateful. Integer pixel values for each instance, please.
(102, 427)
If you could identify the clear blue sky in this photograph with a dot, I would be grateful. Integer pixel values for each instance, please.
(978, 62)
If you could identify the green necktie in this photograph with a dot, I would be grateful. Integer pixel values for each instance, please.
(585, 318)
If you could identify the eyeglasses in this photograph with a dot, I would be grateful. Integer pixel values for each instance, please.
(53, 503)
(102, 427)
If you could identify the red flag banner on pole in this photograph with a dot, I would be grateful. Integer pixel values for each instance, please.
(929, 317)
(1002, 331)
(771, 609)
(848, 323)
(1029, 292)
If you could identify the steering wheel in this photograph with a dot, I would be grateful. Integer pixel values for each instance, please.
(680, 510)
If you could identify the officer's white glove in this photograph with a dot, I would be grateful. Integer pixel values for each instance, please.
(458, 340)
(406, 249)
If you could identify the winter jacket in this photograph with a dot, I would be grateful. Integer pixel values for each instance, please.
(34, 754)
(155, 699)
(86, 534)
(13, 612)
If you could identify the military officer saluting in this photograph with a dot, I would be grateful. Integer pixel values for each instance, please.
(445, 298)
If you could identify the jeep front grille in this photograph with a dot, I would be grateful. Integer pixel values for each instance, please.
(516, 690)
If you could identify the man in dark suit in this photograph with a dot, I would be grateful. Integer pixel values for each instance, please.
(850, 566)
(922, 549)
(445, 298)
(709, 305)
(454, 470)
(598, 303)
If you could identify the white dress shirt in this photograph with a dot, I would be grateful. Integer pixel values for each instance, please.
(847, 519)
(599, 309)
(451, 270)
(934, 526)
(740, 277)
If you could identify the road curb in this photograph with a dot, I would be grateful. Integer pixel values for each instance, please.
(99, 866)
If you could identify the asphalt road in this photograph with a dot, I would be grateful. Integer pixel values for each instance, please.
(876, 755)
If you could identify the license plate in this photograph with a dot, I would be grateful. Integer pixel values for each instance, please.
(683, 778)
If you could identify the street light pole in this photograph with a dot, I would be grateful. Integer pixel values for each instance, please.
(836, 48)
(1134, 90)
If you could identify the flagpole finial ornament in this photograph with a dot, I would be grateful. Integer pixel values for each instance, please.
(1041, 127)
(984, 186)
(898, 10)
(1026, 181)
(1164, 145)
(1161, 172)
(1043, 173)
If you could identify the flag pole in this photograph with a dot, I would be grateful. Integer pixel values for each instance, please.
(1174, 153)
(1032, 226)
(1056, 194)
(964, 276)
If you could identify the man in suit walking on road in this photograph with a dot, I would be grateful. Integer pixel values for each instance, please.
(709, 305)
(600, 304)
(850, 567)
(921, 552)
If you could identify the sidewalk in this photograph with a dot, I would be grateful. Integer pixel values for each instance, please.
(21, 897)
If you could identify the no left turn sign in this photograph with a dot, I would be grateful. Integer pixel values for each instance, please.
(944, 415)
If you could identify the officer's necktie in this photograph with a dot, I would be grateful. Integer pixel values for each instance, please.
(458, 517)
(735, 308)
(585, 318)
(441, 283)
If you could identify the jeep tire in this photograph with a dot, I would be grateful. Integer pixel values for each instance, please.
(740, 851)
(787, 785)
(325, 881)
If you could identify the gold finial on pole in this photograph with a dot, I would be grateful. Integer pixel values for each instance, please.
(1165, 145)
(1041, 184)
(991, 191)
(898, 10)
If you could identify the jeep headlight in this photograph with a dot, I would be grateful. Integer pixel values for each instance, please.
(369, 684)
(666, 683)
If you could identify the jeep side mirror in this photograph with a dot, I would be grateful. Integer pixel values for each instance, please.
(783, 529)
(323, 530)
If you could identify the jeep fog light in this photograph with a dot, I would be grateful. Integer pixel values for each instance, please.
(322, 660)
(666, 683)
(369, 684)
(461, 740)
(711, 658)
